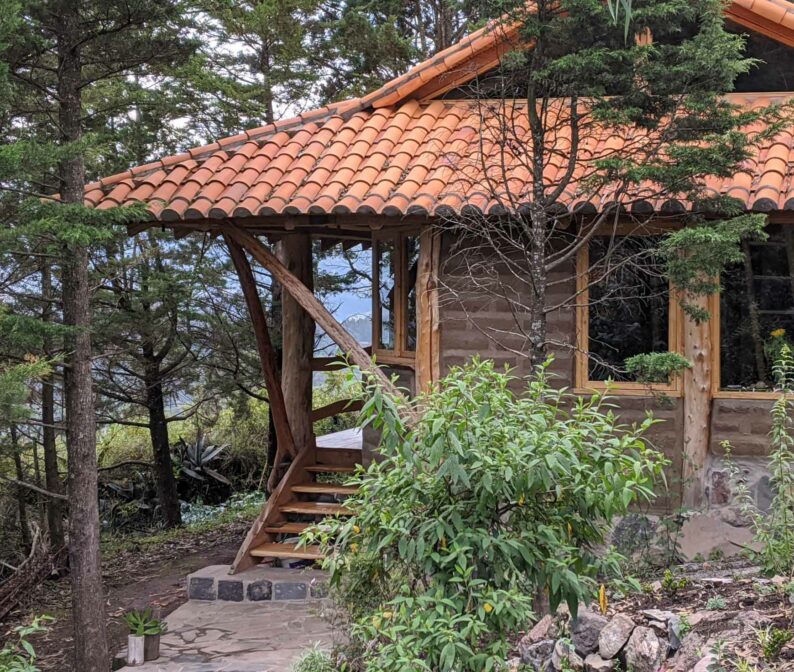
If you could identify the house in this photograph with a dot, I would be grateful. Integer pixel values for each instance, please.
(385, 170)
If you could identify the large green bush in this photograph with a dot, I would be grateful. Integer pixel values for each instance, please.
(489, 500)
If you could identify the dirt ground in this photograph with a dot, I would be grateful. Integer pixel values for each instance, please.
(134, 579)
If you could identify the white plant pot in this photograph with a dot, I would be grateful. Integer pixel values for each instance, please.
(135, 650)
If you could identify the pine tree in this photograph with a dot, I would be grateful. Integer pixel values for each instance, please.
(62, 48)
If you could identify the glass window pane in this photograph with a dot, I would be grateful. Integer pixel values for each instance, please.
(411, 268)
(757, 311)
(629, 308)
(386, 293)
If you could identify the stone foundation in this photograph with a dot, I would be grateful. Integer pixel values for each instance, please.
(258, 584)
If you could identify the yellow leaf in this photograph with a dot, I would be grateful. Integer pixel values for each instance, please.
(602, 599)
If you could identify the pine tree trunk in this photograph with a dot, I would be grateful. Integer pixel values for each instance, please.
(161, 447)
(88, 595)
(24, 528)
(52, 479)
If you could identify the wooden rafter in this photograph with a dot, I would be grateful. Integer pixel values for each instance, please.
(267, 353)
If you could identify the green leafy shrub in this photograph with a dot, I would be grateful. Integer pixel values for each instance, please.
(774, 529)
(314, 660)
(671, 583)
(656, 367)
(19, 655)
(772, 640)
(487, 501)
(716, 603)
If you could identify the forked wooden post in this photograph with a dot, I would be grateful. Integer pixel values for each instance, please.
(297, 339)
(267, 354)
(312, 306)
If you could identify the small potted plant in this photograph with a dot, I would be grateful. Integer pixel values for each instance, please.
(143, 642)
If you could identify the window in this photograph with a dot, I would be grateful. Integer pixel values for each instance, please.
(395, 264)
(756, 312)
(624, 309)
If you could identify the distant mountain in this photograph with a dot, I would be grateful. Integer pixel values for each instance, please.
(359, 326)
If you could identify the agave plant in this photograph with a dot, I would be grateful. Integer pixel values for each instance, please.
(143, 623)
(194, 458)
(198, 481)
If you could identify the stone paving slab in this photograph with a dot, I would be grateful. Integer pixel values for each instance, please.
(240, 636)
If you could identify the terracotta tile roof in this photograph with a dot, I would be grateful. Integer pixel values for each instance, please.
(433, 158)
(396, 151)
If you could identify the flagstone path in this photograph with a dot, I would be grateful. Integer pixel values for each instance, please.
(239, 637)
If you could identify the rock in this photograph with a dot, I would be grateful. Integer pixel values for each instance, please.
(565, 651)
(595, 663)
(656, 586)
(585, 630)
(690, 652)
(514, 665)
(657, 615)
(539, 631)
(644, 651)
(659, 627)
(717, 580)
(538, 655)
(674, 633)
(704, 664)
(614, 636)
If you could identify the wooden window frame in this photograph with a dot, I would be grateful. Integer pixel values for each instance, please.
(583, 384)
(399, 356)
(716, 363)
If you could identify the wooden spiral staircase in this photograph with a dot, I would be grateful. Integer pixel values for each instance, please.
(305, 495)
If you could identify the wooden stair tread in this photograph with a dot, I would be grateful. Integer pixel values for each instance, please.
(315, 509)
(325, 489)
(273, 550)
(290, 527)
(330, 469)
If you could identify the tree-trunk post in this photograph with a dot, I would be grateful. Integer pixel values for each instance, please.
(697, 407)
(297, 329)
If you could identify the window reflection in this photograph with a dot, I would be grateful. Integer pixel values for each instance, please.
(757, 311)
(629, 307)
(386, 293)
(411, 267)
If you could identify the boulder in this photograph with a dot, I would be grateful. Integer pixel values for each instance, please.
(539, 631)
(614, 636)
(689, 653)
(537, 656)
(585, 630)
(595, 663)
(644, 651)
(563, 651)
(704, 664)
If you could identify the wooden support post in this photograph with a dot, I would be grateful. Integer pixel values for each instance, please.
(697, 407)
(297, 339)
(267, 355)
(312, 305)
(428, 367)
